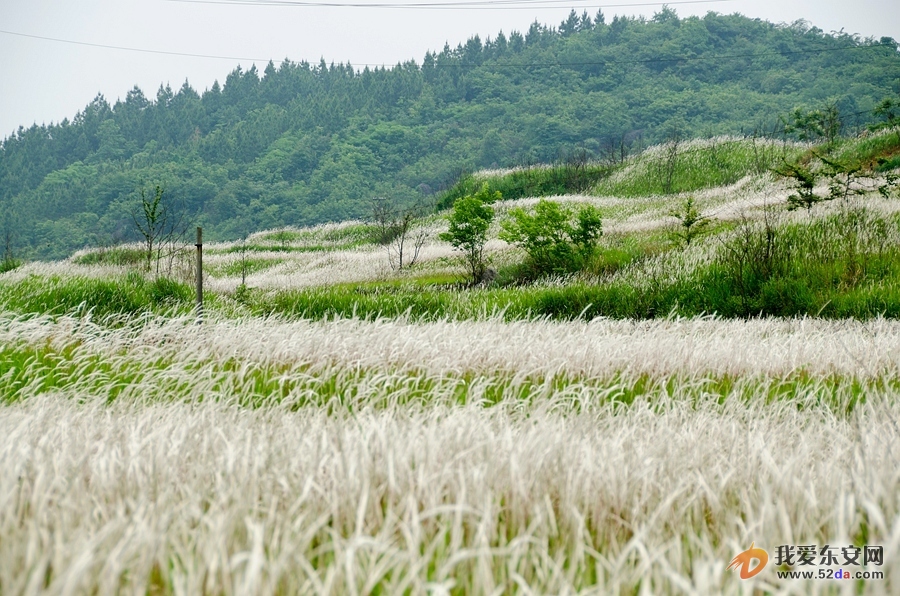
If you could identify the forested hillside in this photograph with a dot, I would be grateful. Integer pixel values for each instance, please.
(304, 143)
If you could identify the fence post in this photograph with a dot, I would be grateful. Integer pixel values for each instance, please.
(199, 274)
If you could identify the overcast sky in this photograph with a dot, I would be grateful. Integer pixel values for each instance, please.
(45, 81)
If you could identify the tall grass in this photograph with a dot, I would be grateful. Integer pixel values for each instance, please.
(137, 467)
(405, 436)
(347, 234)
(574, 352)
(129, 255)
(535, 181)
(119, 295)
(693, 165)
(841, 260)
(874, 151)
(709, 291)
(671, 168)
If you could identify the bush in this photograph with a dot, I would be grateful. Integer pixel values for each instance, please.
(557, 240)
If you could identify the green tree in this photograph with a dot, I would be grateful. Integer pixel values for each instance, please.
(845, 177)
(692, 223)
(556, 239)
(150, 221)
(804, 178)
(889, 111)
(823, 123)
(469, 222)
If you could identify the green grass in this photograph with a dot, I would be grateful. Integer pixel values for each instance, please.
(318, 239)
(880, 151)
(125, 295)
(250, 265)
(119, 255)
(541, 181)
(38, 369)
(344, 236)
(251, 248)
(9, 264)
(567, 302)
(844, 265)
(438, 280)
(693, 166)
(886, 164)
(689, 167)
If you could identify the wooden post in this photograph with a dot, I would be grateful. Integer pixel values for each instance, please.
(199, 274)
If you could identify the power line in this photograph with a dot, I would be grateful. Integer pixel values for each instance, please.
(496, 66)
(437, 5)
(127, 49)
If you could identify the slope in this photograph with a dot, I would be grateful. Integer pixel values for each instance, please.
(300, 144)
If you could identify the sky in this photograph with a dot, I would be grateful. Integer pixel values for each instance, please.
(44, 81)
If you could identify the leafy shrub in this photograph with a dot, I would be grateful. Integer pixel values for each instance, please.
(804, 179)
(557, 240)
(243, 295)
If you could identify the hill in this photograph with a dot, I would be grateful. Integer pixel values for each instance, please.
(336, 425)
(752, 253)
(301, 143)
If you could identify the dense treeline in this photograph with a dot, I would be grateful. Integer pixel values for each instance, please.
(302, 143)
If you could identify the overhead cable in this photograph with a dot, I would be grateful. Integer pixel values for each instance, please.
(127, 49)
(440, 5)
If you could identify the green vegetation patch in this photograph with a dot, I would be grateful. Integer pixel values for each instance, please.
(247, 266)
(685, 167)
(127, 295)
(539, 181)
(9, 264)
(674, 167)
(119, 255)
(332, 237)
(879, 151)
(843, 265)
(31, 370)
(288, 248)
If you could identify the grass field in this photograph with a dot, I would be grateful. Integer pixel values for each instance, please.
(468, 457)
(334, 426)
